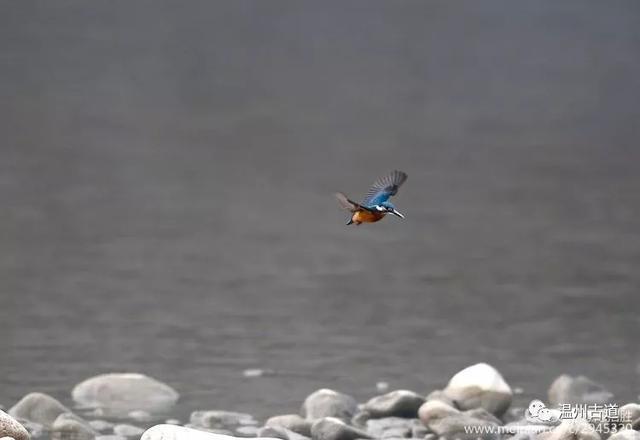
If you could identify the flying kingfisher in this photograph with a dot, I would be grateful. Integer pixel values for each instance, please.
(376, 203)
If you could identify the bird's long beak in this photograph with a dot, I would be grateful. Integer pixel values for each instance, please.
(397, 213)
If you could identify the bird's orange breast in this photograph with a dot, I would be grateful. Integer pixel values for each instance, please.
(364, 216)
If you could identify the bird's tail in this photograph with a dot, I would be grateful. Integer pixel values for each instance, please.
(346, 203)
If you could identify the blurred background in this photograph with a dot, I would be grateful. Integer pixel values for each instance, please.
(167, 175)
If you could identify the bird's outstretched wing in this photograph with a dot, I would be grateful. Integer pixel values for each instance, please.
(346, 203)
(383, 188)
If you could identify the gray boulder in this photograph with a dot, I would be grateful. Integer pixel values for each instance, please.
(10, 427)
(399, 403)
(292, 422)
(38, 408)
(389, 427)
(280, 432)
(480, 386)
(70, 427)
(332, 428)
(215, 419)
(418, 430)
(360, 419)
(329, 403)
(449, 422)
(120, 393)
(577, 390)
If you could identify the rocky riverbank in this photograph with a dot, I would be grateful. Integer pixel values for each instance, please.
(476, 403)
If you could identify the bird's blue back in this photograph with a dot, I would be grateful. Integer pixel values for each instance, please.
(378, 199)
(383, 188)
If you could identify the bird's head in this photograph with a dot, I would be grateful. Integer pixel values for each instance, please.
(388, 207)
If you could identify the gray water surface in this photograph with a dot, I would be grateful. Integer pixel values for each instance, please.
(167, 175)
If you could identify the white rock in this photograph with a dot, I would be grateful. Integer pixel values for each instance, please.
(124, 392)
(480, 386)
(39, 408)
(126, 430)
(173, 432)
(433, 409)
(382, 386)
(329, 403)
(10, 427)
(172, 421)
